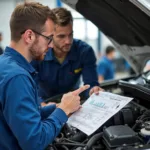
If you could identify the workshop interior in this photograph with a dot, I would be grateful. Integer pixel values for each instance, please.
(124, 24)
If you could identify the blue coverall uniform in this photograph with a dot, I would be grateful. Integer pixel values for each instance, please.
(105, 68)
(24, 125)
(55, 78)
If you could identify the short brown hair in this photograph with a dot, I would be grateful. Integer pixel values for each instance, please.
(109, 49)
(63, 16)
(29, 15)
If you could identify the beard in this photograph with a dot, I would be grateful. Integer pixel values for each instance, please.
(36, 54)
(63, 49)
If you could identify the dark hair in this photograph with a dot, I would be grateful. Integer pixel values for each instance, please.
(109, 49)
(29, 15)
(63, 16)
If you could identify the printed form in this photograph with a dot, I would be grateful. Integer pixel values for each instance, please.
(97, 110)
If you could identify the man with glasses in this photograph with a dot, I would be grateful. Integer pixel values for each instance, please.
(48, 38)
(63, 65)
(24, 125)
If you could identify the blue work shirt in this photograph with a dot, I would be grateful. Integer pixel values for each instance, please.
(24, 125)
(55, 78)
(105, 68)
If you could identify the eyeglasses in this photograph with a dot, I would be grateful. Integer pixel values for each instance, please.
(49, 38)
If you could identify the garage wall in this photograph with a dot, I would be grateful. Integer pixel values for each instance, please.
(6, 8)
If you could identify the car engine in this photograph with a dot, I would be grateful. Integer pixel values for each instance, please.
(129, 129)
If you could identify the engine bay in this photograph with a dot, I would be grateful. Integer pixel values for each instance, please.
(129, 129)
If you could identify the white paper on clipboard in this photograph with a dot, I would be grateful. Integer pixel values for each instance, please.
(97, 110)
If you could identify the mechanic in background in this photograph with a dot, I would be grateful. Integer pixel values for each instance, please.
(63, 65)
(105, 67)
(24, 125)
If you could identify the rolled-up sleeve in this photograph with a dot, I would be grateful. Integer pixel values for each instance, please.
(23, 115)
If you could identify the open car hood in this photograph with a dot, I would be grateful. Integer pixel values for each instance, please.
(125, 22)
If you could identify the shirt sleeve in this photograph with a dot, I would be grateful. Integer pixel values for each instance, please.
(89, 68)
(47, 110)
(22, 114)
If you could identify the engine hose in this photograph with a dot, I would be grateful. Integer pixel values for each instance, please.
(64, 147)
(70, 144)
(79, 137)
(141, 118)
(93, 140)
(79, 148)
(145, 114)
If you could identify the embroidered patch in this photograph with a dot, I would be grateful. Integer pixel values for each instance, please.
(78, 70)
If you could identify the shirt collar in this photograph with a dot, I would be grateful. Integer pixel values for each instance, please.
(49, 55)
(19, 58)
(72, 55)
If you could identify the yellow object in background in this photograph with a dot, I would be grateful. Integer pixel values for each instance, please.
(77, 70)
